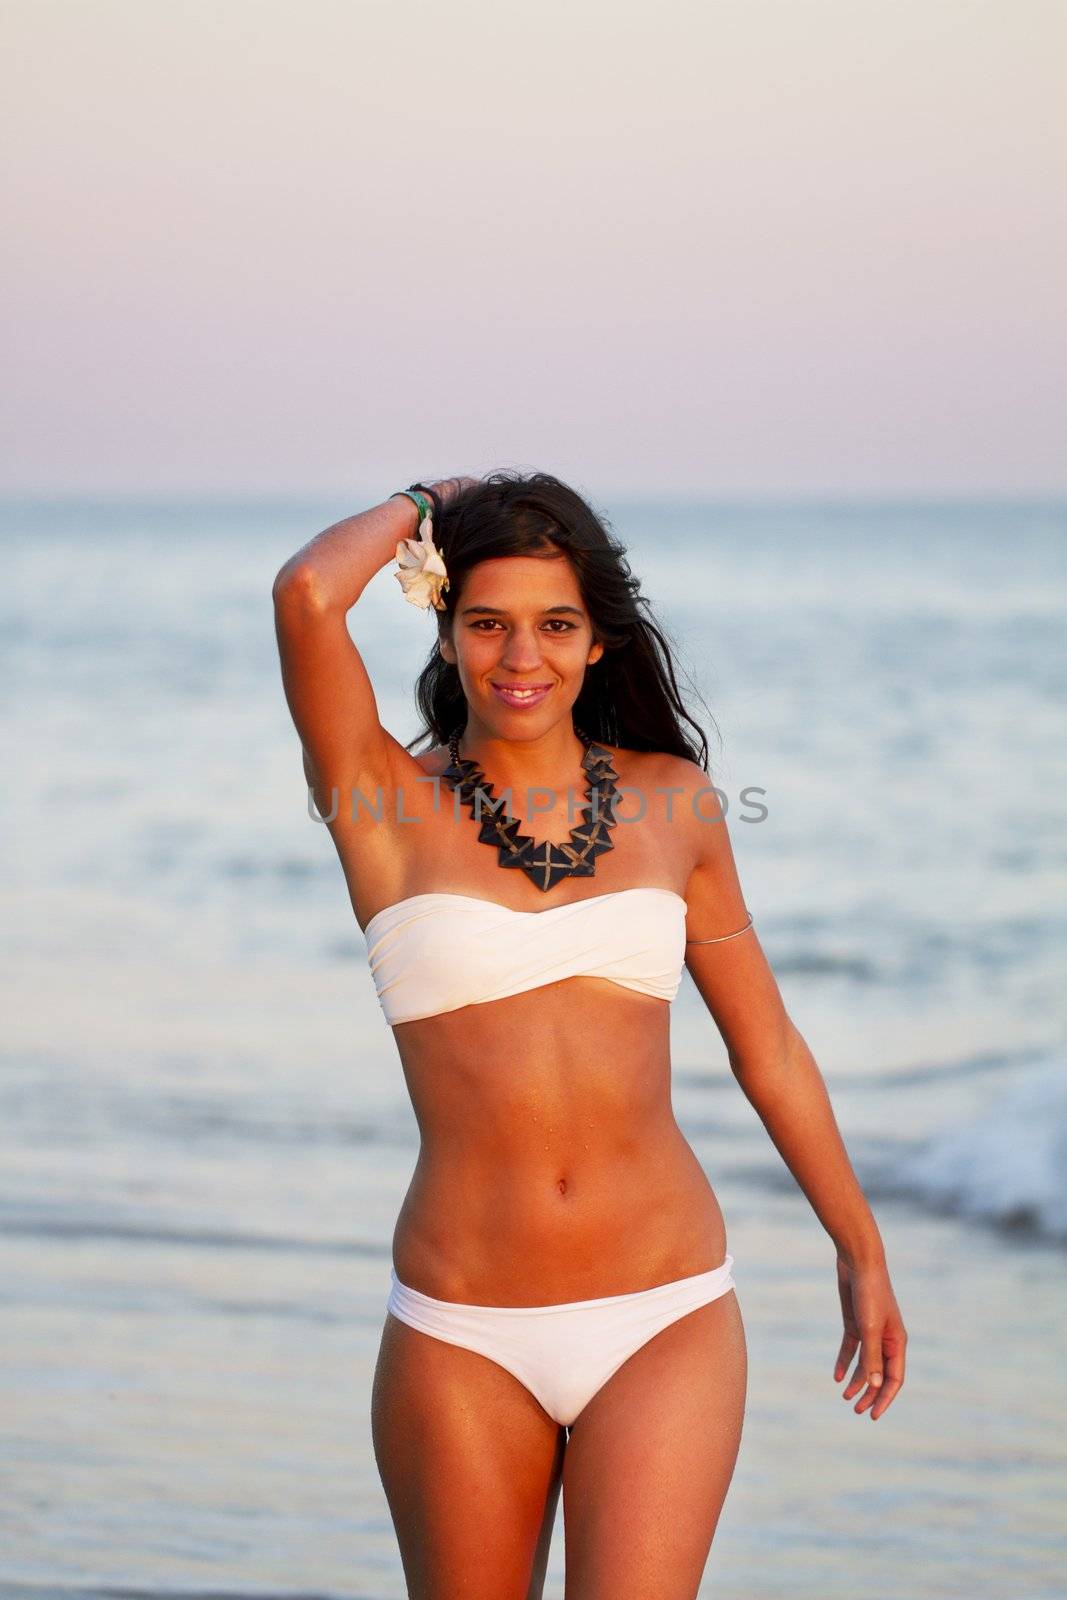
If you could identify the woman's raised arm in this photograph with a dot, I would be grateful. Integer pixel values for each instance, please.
(329, 692)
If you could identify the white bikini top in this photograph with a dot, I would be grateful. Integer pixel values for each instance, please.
(431, 953)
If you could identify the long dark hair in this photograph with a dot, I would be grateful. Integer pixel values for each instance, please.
(630, 697)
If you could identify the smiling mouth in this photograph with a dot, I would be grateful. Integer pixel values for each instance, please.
(522, 691)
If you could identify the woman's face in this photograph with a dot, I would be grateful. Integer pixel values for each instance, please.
(520, 625)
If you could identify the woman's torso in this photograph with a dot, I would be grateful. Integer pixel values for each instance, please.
(551, 1167)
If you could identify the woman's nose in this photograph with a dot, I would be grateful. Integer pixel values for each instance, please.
(523, 652)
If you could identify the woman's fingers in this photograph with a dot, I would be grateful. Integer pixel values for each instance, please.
(870, 1357)
(856, 1382)
(868, 1371)
(449, 488)
(874, 1328)
(876, 1397)
(872, 1353)
(895, 1343)
(844, 1355)
(868, 1367)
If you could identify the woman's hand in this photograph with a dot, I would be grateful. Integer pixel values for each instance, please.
(448, 488)
(873, 1324)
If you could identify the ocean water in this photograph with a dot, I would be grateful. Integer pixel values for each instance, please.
(204, 1132)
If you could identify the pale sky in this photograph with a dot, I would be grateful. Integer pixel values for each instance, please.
(725, 247)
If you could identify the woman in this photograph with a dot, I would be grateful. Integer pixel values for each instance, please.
(562, 1309)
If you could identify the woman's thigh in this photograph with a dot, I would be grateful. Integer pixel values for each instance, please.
(470, 1463)
(650, 1458)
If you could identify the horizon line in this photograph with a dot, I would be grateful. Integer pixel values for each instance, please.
(811, 497)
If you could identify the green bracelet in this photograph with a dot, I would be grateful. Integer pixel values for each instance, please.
(422, 504)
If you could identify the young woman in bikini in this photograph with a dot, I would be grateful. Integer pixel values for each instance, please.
(562, 1311)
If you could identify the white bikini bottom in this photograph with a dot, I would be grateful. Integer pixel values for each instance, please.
(562, 1353)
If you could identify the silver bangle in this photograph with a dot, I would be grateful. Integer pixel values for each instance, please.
(722, 936)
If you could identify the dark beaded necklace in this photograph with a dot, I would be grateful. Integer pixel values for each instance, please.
(546, 864)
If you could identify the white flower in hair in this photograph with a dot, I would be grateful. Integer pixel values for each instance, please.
(422, 574)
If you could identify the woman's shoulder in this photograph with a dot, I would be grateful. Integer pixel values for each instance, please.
(663, 766)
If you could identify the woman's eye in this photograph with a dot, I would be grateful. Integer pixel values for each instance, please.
(555, 623)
